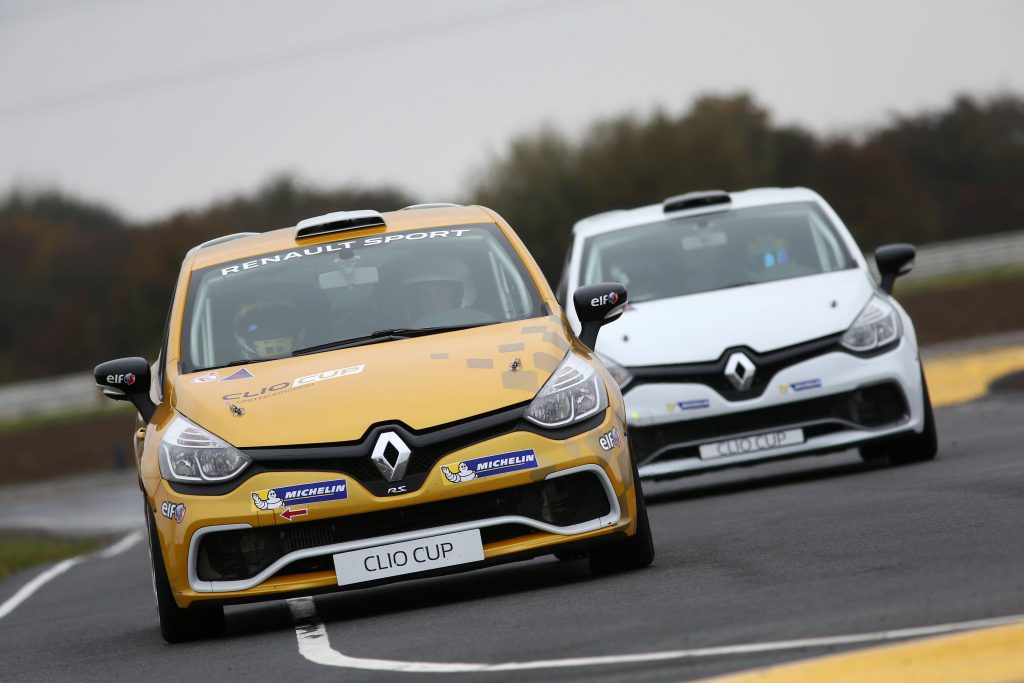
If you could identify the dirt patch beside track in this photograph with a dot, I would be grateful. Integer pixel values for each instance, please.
(56, 449)
(974, 309)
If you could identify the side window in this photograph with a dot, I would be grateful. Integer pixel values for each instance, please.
(201, 339)
(830, 253)
(161, 360)
(562, 291)
(511, 283)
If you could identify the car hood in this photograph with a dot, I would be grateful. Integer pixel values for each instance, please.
(337, 395)
(764, 317)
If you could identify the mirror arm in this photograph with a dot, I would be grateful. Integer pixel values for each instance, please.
(888, 282)
(144, 404)
(588, 333)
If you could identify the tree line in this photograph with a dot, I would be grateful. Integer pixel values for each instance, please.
(82, 284)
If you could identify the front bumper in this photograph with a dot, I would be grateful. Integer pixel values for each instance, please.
(838, 399)
(301, 548)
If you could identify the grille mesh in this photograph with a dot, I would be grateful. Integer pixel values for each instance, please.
(243, 553)
(869, 407)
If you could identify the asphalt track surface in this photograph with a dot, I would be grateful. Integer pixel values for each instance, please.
(800, 549)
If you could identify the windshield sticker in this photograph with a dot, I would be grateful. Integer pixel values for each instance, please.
(304, 494)
(283, 256)
(238, 374)
(291, 385)
(489, 465)
(208, 377)
(800, 386)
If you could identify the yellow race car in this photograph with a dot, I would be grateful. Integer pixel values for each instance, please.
(368, 397)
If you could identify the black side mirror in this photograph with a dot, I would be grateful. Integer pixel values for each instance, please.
(598, 305)
(894, 260)
(127, 379)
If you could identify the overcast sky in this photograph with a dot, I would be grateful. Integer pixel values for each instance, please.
(152, 106)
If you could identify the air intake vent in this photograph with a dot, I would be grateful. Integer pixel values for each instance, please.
(339, 221)
(432, 205)
(692, 200)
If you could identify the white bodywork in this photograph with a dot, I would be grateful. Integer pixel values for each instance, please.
(699, 328)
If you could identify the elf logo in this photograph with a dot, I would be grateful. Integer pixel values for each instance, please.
(175, 511)
(127, 379)
(609, 298)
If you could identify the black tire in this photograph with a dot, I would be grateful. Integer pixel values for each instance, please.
(178, 625)
(908, 448)
(632, 552)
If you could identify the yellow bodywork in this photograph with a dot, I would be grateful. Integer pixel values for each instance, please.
(335, 396)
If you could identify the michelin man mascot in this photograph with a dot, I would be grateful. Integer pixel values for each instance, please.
(462, 475)
(271, 503)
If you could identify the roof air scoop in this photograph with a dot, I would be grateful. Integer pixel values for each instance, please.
(339, 221)
(693, 200)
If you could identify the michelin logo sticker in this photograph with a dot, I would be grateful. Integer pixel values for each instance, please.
(316, 492)
(468, 470)
(800, 386)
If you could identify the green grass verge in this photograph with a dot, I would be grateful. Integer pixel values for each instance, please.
(24, 424)
(21, 551)
(957, 280)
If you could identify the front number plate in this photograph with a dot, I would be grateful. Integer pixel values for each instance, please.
(751, 445)
(407, 557)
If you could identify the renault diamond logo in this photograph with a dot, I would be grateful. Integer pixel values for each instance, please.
(379, 456)
(740, 371)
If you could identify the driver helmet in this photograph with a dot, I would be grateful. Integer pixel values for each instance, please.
(439, 284)
(765, 252)
(269, 328)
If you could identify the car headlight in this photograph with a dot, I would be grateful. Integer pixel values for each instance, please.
(189, 454)
(877, 325)
(621, 375)
(573, 393)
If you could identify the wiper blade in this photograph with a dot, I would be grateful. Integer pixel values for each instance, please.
(243, 361)
(389, 334)
(424, 331)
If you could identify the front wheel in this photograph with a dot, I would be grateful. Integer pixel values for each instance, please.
(176, 624)
(633, 552)
(909, 448)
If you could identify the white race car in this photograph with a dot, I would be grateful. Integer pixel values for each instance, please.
(754, 331)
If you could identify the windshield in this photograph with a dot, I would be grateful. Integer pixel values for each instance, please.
(715, 251)
(274, 305)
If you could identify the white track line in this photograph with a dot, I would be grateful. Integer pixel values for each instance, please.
(315, 646)
(26, 591)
